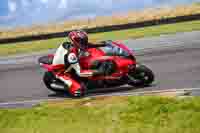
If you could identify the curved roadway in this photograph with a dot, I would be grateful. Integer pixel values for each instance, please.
(175, 59)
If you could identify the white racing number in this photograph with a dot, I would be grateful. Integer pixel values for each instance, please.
(72, 59)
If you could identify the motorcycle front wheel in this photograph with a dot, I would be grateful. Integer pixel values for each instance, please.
(142, 76)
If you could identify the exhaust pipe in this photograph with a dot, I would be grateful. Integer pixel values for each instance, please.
(56, 86)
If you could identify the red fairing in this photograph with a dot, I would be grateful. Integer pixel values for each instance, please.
(122, 64)
(47, 67)
(51, 68)
(93, 54)
(97, 54)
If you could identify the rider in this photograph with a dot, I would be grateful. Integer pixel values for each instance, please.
(68, 54)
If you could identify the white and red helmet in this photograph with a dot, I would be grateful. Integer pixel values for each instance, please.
(78, 38)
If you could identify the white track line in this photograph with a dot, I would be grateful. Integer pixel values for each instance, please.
(36, 102)
(29, 102)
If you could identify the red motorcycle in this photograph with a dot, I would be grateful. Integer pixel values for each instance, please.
(116, 61)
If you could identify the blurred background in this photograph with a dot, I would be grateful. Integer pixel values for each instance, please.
(14, 13)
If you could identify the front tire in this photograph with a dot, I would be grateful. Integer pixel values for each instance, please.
(142, 76)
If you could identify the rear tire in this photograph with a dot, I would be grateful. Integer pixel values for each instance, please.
(48, 80)
(45, 60)
(142, 76)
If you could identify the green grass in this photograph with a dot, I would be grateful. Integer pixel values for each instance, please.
(34, 46)
(107, 115)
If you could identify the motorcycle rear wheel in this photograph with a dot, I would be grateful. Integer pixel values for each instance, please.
(48, 80)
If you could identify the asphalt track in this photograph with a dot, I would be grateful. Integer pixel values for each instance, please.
(175, 59)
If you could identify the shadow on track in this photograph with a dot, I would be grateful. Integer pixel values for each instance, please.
(103, 92)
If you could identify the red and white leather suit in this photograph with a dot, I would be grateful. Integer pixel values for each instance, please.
(69, 58)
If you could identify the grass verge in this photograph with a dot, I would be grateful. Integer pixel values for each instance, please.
(34, 46)
(106, 115)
